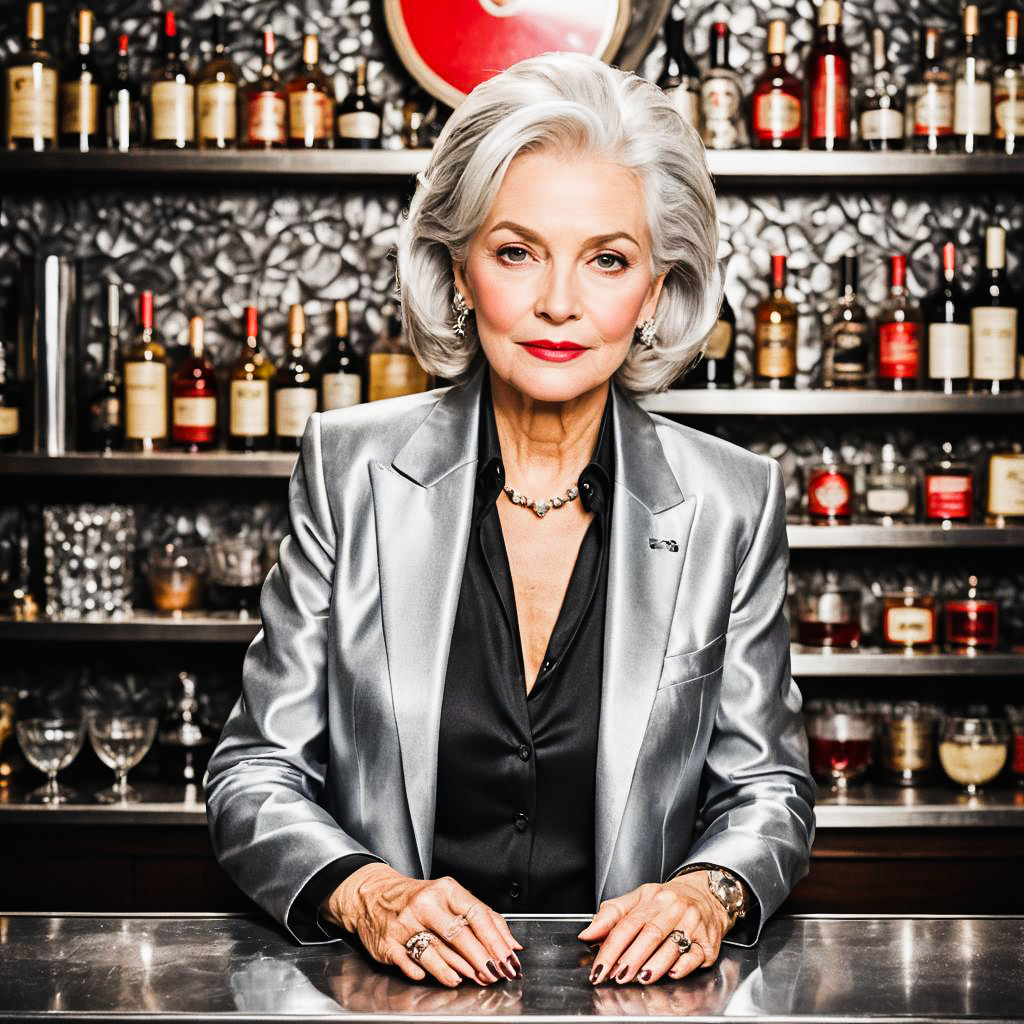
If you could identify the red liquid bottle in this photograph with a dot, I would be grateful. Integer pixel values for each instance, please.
(194, 394)
(828, 82)
(777, 111)
(899, 334)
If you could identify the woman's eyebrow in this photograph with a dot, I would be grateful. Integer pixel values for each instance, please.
(534, 237)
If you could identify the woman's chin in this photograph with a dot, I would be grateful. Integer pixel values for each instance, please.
(556, 382)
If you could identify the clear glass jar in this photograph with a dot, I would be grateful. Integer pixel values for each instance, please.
(909, 620)
(890, 490)
(971, 622)
(828, 618)
(840, 746)
(973, 751)
(829, 491)
(908, 745)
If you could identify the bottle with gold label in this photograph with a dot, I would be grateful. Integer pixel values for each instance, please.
(30, 90)
(80, 90)
(1005, 504)
(972, 91)
(294, 386)
(10, 406)
(1008, 93)
(264, 109)
(775, 333)
(310, 101)
(145, 386)
(995, 317)
(777, 114)
(249, 421)
(393, 369)
(217, 95)
(172, 96)
(716, 367)
(342, 369)
(194, 396)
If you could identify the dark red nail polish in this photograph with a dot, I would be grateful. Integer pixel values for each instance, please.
(621, 976)
(514, 966)
(596, 974)
(645, 976)
(493, 970)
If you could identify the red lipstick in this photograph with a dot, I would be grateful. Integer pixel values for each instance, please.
(553, 351)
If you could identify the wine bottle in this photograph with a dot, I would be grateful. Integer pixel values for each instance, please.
(172, 96)
(972, 93)
(264, 107)
(828, 81)
(948, 319)
(777, 116)
(194, 396)
(249, 422)
(30, 80)
(145, 385)
(310, 103)
(393, 369)
(881, 116)
(125, 112)
(342, 369)
(929, 114)
(721, 96)
(716, 367)
(899, 333)
(294, 387)
(847, 351)
(680, 79)
(80, 90)
(775, 333)
(10, 406)
(994, 321)
(217, 94)
(359, 116)
(1008, 93)
(106, 404)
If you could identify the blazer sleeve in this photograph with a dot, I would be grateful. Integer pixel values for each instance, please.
(268, 831)
(756, 803)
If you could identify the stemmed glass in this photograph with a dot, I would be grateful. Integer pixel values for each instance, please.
(50, 744)
(121, 742)
(973, 751)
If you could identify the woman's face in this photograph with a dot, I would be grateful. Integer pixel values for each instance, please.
(563, 256)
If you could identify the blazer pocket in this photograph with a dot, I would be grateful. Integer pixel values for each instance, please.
(683, 668)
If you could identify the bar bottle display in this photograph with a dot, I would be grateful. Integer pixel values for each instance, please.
(294, 387)
(342, 369)
(994, 321)
(777, 120)
(899, 333)
(264, 107)
(80, 91)
(30, 90)
(145, 385)
(125, 112)
(929, 120)
(775, 333)
(948, 319)
(717, 367)
(310, 103)
(848, 333)
(1008, 93)
(172, 96)
(392, 368)
(680, 78)
(194, 396)
(828, 82)
(359, 117)
(881, 116)
(249, 419)
(217, 95)
(721, 96)
(106, 404)
(972, 102)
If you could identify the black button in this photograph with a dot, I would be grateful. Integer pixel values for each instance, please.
(586, 487)
(524, 752)
(522, 822)
(545, 666)
(514, 890)
(499, 472)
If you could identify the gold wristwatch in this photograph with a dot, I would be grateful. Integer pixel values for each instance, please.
(724, 886)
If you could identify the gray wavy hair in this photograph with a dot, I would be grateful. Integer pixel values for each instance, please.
(564, 101)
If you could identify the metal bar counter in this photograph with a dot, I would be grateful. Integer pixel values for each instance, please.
(222, 967)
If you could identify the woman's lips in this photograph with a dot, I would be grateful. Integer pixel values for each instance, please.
(553, 351)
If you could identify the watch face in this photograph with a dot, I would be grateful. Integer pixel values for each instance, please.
(728, 890)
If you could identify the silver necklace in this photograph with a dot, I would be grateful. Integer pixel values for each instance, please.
(540, 508)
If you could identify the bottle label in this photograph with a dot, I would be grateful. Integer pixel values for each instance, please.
(948, 497)
(195, 411)
(292, 407)
(217, 111)
(145, 392)
(250, 408)
(266, 118)
(309, 115)
(994, 331)
(1006, 485)
(341, 390)
(393, 374)
(1009, 109)
(949, 351)
(173, 116)
(887, 501)
(909, 626)
(32, 102)
(830, 101)
(776, 351)
(933, 111)
(881, 124)
(687, 102)
(828, 495)
(359, 124)
(9, 421)
(720, 99)
(972, 108)
(719, 340)
(79, 107)
(777, 115)
(899, 350)
(846, 354)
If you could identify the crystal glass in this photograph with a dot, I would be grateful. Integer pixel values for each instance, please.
(236, 570)
(121, 742)
(50, 744)
(973, 751)
(840, 746)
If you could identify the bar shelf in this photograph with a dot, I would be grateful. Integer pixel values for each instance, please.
(806, 536)
(157, 464)
(868, 662)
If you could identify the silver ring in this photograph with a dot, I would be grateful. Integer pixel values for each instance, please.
(417, 944)
(683, 944)
(458, 923)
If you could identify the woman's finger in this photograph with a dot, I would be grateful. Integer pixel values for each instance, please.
(688, 962)
(608, 916)
(662, 915)
(502, 925)
(395, 953)
(462, 966)
(434, 963)
(659, 963)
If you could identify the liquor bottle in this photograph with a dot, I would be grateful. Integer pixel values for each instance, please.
(899, 333)
(10, 406)
(929, 116)
(881, 116)
(194, 396)
(1008, 93)
(217, 95)
(106, 407)
(972, 94)
(126, 114)
(264, 108)
(994, 321)
(342, 369)
(948, 317)
(392, 368)
(828, 82)
(171, 96)
(359, 117)
(30, 92)
(310, 102)
(777, 115)
(79, 117)
(721, 96)
(249, 421)
(680, 79)
(294, 387)
(716, 368)
(185, 741)
(775, 333)
(145, 386)
(848, 334)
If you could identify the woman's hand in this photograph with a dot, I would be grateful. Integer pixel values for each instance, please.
(385, 909)
(634, 931)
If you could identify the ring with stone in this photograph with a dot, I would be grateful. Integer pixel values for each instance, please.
(417, 944)
(683, 944)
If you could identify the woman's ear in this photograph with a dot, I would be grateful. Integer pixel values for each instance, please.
(462, 284)
(651, 302)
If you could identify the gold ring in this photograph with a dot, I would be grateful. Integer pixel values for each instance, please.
(417, 944)
(683, 944)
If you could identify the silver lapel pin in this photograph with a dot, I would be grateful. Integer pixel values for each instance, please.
(667, 545)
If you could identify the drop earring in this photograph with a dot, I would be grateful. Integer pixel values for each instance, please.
(461, 312)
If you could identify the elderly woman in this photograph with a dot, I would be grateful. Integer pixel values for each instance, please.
(524, 650)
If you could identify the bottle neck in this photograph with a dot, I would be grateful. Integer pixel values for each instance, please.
(252, 344)
(1011, 46)
(146, 336)
(296, 343)
(829, 33)
(110, 356)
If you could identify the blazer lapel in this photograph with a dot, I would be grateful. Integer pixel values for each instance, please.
(422, 506)
(643, 587)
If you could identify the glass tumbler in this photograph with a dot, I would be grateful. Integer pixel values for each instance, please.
(973, 751)
(50, 744)
(840, 746)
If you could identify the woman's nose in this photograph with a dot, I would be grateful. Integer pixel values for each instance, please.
(558, 300)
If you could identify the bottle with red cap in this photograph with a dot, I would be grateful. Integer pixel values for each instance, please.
(899, 333)
(775, 333)
(264, 108)
(125, 111)
(145, 385)
(948, 318)
(172, 95)
(249, 419)
(721, 96)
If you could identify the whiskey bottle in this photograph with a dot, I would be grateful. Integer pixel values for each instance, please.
(217, 95)
(106, 406)
(264, 108)
(680, 79)
(716, 367)
(828, 81)
(775, 333)
(30, 92)
(777, 116)
(125, 112)
(948, 319)
(310, 103)
(145, 385)
(929, 115)
(899, 333)
(393, 369)
(10, 406)
(172, 96)
(881, 116)
(359, 117)
(848, 338)
(994, 321)
(294, 387)
(972, 91)
(249, 421)
(194, 396)
(721, 96)
(342, 369)
(1008, 93)
(80, 91)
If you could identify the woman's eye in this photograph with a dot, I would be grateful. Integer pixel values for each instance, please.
(609, 261)
(513, 254)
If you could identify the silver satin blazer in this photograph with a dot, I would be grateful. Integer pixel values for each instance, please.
(332, 747)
